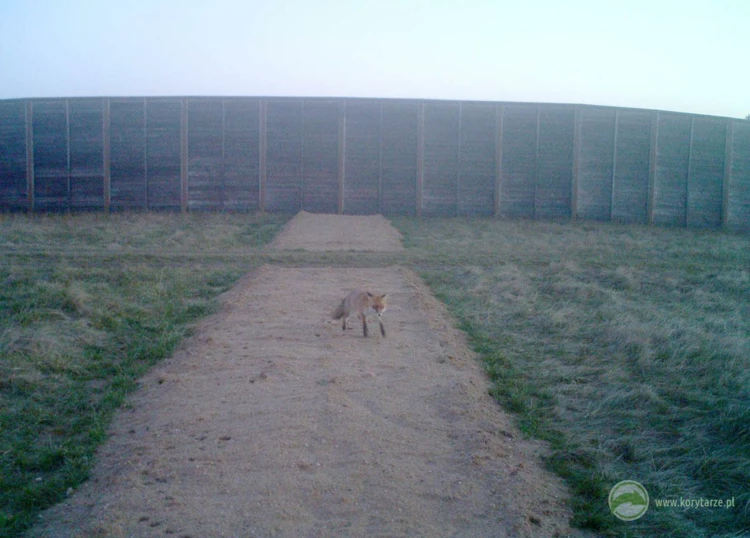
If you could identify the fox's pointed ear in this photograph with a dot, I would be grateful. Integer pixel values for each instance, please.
(369, 294)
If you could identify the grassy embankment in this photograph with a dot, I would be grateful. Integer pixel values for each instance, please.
(627, 348)
(87, 304)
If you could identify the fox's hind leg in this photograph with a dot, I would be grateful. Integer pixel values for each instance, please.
(343, 324)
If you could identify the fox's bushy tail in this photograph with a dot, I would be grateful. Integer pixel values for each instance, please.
(339, 312)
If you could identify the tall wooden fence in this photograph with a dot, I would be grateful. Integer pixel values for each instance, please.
(408, 157)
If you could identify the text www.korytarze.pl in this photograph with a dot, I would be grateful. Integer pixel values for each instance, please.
(683, 502)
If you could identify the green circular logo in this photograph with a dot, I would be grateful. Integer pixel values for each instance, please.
(628, 500)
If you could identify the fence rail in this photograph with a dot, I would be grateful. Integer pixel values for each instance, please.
(410, 157)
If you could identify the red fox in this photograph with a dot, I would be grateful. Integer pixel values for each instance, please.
(364, 304)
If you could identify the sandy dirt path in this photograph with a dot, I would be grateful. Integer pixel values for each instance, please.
(272, 421)
(318, 233)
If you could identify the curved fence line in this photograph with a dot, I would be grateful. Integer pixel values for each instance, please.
(397, 157)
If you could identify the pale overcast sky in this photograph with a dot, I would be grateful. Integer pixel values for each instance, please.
(682, 55)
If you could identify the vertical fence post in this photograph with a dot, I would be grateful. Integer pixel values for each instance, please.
(146, 201)
(184, 154)
(576, 163)
(67, 153)
(689, 172)
(341, 155)
(727, 179)
(30, 155)
(420, 156)
(458, 163)
(536, 160)
(614, 166)
(380, 159)
(499, 114)
(303, 181)
(224, 154)
(263, 144)
(107, 154)
(652, 155)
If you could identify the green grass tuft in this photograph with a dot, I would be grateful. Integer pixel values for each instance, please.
(88, 304)
(624, 347)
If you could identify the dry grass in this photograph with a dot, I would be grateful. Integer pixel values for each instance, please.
(87, 304)
(160, 233)
(626, 347)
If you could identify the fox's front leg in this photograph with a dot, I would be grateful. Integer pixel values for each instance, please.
(382, 327)
(343, 324)
(364, 325)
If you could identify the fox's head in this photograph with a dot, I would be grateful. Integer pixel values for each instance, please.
(377, 303)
